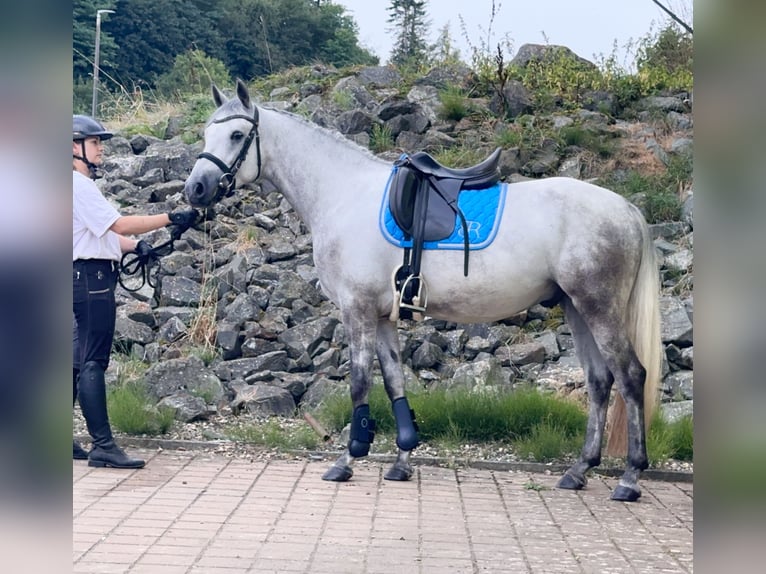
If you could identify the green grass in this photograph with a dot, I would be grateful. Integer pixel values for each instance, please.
(460, 156)
(544, 426)
(600, 144)
(131, 411)
(547, 442)
(272, 434)
(454, 104)
(666, 440)
(538, 426)
(381, 138)
(661, 200)
(508, 138)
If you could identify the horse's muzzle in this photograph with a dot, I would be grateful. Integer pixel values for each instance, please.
(196, 194)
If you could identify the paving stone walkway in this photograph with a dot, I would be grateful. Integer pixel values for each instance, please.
(201, 513)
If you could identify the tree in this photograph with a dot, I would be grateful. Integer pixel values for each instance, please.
(151, 34)
(266, 36)
(141, 40)
(410, 26)
(84, 38)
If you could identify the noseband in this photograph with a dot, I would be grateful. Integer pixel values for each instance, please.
(226, 181)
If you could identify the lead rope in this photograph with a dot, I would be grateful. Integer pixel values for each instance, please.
(148, 270)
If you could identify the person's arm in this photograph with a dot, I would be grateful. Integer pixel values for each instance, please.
(138, 224)
(127, 245)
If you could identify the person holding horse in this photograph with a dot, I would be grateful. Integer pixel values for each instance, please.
(99, 239)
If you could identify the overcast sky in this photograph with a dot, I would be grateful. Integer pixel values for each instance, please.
(588, 27)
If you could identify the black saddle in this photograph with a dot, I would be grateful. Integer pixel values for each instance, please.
(423, 199)
(479, 176)
(424, 194)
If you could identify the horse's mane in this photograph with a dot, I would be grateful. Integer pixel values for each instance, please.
(326, 132)
(235, 106)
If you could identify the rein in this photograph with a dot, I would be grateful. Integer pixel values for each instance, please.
(148, 270)
(226, 181)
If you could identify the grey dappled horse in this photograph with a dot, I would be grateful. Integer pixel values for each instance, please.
(560, 239)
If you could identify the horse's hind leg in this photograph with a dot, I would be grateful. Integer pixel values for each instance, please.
(599, 381)
(606, 323)
(387, 346)
(360, 332)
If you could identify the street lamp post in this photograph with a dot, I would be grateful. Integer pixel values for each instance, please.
(95, 60)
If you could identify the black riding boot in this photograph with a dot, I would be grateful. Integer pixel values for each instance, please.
(92, 393)
(78, 453)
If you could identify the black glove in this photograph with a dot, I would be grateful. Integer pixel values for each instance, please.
(183, 220)
(144, 251)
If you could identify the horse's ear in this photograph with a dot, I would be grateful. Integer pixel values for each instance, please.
(217, 96)
(243, 94)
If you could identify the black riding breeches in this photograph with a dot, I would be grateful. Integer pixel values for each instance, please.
(94, 310)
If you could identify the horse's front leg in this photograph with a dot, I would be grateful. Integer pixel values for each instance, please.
(406, 429)
(360, 334)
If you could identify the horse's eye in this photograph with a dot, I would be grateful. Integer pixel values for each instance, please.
(237, 136)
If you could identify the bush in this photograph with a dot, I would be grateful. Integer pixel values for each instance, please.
(131, 411)
(192, 73)
(670, 440)
(454, 104)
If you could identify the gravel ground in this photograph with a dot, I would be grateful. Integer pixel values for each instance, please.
(214, 434)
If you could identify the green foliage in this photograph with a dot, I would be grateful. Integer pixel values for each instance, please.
(454, 104)
(547, 442)
(460, 156)
(343, 99)
(487, 56)
(82, 96)
(536, 486)
(131, 410)
(445, 53)
(670, 440)
(599, 143)
(141, 40)
(532, 131)
(84, 37)
(560, 79)
(149, 35)
(409, 24)
(670, 49)
(463, 415)
(266, 36)
(381, 138)
(272, 434)
(657, 194)
(508, 137)
(193, 72)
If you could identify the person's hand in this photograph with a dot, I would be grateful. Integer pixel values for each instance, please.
(144, 252)
(183, 220)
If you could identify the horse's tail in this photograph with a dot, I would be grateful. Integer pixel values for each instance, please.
(644, 333)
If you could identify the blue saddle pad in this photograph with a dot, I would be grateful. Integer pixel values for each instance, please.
(482, 208)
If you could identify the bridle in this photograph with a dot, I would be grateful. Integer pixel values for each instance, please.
(229, 172)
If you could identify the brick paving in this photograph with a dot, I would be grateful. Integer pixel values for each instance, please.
(193, 512)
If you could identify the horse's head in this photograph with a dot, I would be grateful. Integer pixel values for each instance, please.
(232, 152)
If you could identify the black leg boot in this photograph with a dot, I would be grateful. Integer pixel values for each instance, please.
(78, 453)
(92, 393)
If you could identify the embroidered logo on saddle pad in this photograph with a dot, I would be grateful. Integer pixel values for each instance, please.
(482, 208)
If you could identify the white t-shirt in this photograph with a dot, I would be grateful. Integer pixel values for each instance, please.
(92, 216)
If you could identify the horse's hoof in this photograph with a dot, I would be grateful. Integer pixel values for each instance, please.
(399, 472)
(570, 482)
(626, 494)
(338, 473)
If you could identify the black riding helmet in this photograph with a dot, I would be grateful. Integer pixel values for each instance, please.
(84, 127)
